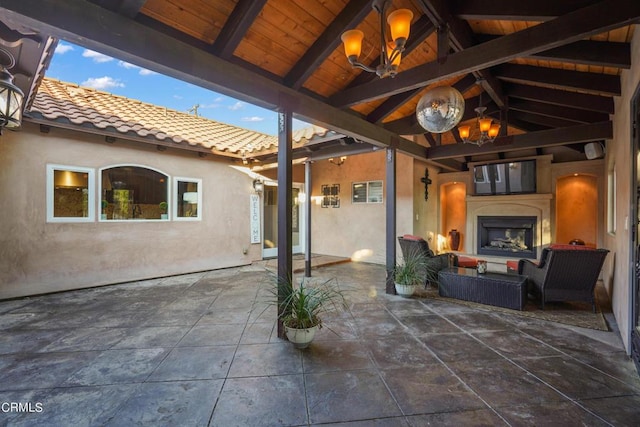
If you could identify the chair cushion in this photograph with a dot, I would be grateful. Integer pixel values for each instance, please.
(570, 247)
(466, 261)
(412, 237)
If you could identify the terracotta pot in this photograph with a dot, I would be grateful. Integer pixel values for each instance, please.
(455, 239)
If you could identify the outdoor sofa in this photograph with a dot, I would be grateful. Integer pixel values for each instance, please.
(564, 273)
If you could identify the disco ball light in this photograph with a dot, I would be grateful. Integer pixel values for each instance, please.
(440, 109)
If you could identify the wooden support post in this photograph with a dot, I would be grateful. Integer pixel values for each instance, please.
(391, 218)
(285, 217)
(307, 219)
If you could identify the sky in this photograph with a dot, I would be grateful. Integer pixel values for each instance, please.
(75, 64)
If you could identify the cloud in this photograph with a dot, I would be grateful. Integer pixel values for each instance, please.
(252, 119)
(102, 83)
(141, 71)
(127, 65)
(97, 57)
(178, 97)
(62, 48)
(237, 106)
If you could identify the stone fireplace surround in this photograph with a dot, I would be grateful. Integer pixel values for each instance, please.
(534, 205)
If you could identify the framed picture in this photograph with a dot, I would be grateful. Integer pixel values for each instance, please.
(330, 195)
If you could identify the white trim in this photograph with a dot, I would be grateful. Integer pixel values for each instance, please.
(174, 205)
(169, 200)
(91, 193)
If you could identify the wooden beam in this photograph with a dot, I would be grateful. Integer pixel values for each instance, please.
(521, 10)
(553, 78)
(128, 8)
(430, 139)
(449, 165)
(395, 101)
(390, 105)
(603, 16)
(352, 14)
(603, 104)
(562, 112)
(461, 37)
(585, 52)
(546, 121)
(544, 138)
(236, 26)
(93, 27)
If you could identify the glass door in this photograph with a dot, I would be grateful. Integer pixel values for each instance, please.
(270, 220)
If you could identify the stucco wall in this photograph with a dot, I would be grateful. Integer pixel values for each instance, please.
(425, 218)
(40, 257)
(357, 230)
(618, 158)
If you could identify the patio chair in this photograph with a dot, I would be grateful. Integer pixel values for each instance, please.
(564, 273)
(434, 263)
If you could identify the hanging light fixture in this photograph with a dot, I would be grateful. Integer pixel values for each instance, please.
(485, 130)
(10, 95)
(390, 51)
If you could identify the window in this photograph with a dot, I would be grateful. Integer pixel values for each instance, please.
(70, 194)
(188, 199)
(505, 178)
(367, 192)
(133, 193)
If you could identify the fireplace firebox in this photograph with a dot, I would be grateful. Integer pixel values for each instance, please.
(507, 236)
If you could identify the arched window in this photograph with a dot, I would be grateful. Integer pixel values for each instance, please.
(134, 192)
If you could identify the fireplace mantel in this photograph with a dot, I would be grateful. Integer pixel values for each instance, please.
(538, 205)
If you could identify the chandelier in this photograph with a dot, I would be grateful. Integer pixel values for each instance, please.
(390, 51)
(484, 130)
(10, 95)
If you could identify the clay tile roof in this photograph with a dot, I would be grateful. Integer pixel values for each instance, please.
(66, 102)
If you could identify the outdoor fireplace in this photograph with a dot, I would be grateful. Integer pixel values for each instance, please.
(507, 236)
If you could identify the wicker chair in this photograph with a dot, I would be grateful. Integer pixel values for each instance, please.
(434, 263)
(564, 274)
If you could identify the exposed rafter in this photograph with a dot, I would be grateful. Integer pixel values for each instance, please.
(574, 26)
(236, 26)
(544, 138)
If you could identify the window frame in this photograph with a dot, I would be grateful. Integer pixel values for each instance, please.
(174, 205)
(91, 193)
(367, 185)
(135, 165)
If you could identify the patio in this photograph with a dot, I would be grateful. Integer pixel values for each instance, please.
(197, 350)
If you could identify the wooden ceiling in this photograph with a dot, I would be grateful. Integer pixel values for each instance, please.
(549, 69)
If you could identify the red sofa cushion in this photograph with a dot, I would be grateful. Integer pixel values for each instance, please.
(467, 261)
(512, 265)
(412, 237)
(574, 247)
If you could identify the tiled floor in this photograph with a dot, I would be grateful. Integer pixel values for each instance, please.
(197, 350)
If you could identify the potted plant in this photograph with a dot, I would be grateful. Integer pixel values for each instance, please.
(409, 273)
(300, 306)
(163, 210)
